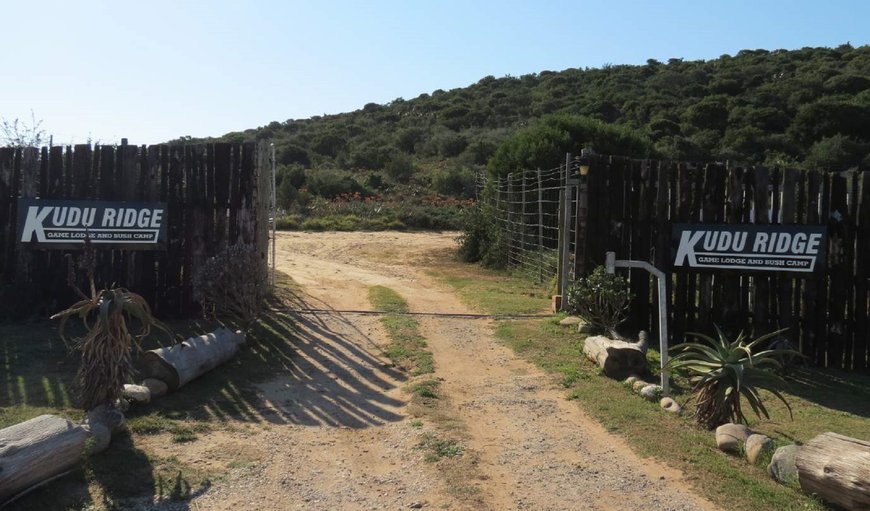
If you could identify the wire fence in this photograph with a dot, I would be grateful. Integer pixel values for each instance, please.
(526, 213)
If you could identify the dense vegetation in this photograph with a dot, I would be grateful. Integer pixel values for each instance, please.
(808, 107)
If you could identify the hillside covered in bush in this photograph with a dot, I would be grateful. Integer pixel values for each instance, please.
(807, 107)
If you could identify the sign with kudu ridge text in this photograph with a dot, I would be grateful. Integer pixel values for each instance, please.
(66, 224)
(792, 248)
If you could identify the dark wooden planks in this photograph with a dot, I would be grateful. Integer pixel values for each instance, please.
(814, 284)
(860, 343)
(788, 215)
(213, 198)
(8, 158)
(840, 259)
(222, 172)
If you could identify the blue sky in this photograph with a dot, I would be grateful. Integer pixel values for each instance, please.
(156, 70)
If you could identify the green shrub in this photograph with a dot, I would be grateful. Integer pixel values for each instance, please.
(331, 183)
(481, 240)
(352, 223)
(400, 168)
(288, 223)
(600, 299)
(232, 284)
(455, 182)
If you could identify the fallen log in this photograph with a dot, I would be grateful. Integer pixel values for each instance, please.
(35, 451)
(836, 468)
(177, 365)
(619, 359)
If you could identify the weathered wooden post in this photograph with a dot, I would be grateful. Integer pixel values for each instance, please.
(36, 451)
(836, 468)
(582, 214)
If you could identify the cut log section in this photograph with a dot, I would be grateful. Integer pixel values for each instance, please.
(618, 359)
(836, 468)
(35, 451)
(179, 364)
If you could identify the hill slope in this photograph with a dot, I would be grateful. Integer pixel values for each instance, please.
(810, 105)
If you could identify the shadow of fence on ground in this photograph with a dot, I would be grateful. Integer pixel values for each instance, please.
(311, 370)
(839, 390)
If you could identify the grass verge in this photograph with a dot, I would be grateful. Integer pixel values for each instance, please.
(441, 431)
(821, 400)
(407, 348)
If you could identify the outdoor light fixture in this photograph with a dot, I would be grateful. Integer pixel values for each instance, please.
(585, 154)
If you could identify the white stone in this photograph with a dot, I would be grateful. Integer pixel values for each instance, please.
(756, 445)
(137, 393)
(731, 437)
(651, 392)
(782, 467)
(670, 405)
(100, 437)
(157, 387)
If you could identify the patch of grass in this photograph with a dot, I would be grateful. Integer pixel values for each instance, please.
(385, 299)
(491, 292)
(437, 448)
(425, 388)
(151, 424)
(155, 423)
(458, 468)
(348, 223)
(407, 348)
(821, 401)
(241, 464)
(182, 434)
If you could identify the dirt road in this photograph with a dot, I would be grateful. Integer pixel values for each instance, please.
(343, 438)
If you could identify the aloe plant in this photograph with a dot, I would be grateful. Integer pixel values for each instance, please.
(107, 346)
(724, 371)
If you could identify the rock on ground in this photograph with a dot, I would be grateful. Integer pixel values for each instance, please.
(651, 392)
(782, 466)
(756, 445)
(670, 405)
(571, 320)
(137, 393)
(157, 387)
(731, 437)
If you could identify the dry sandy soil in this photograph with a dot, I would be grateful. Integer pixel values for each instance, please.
(343, 437)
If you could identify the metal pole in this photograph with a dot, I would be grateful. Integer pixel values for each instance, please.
(510, 207)
(540, 228)
(560, 244)
(611, 263)
(523, 214)
(274, 215)
(565, 232)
